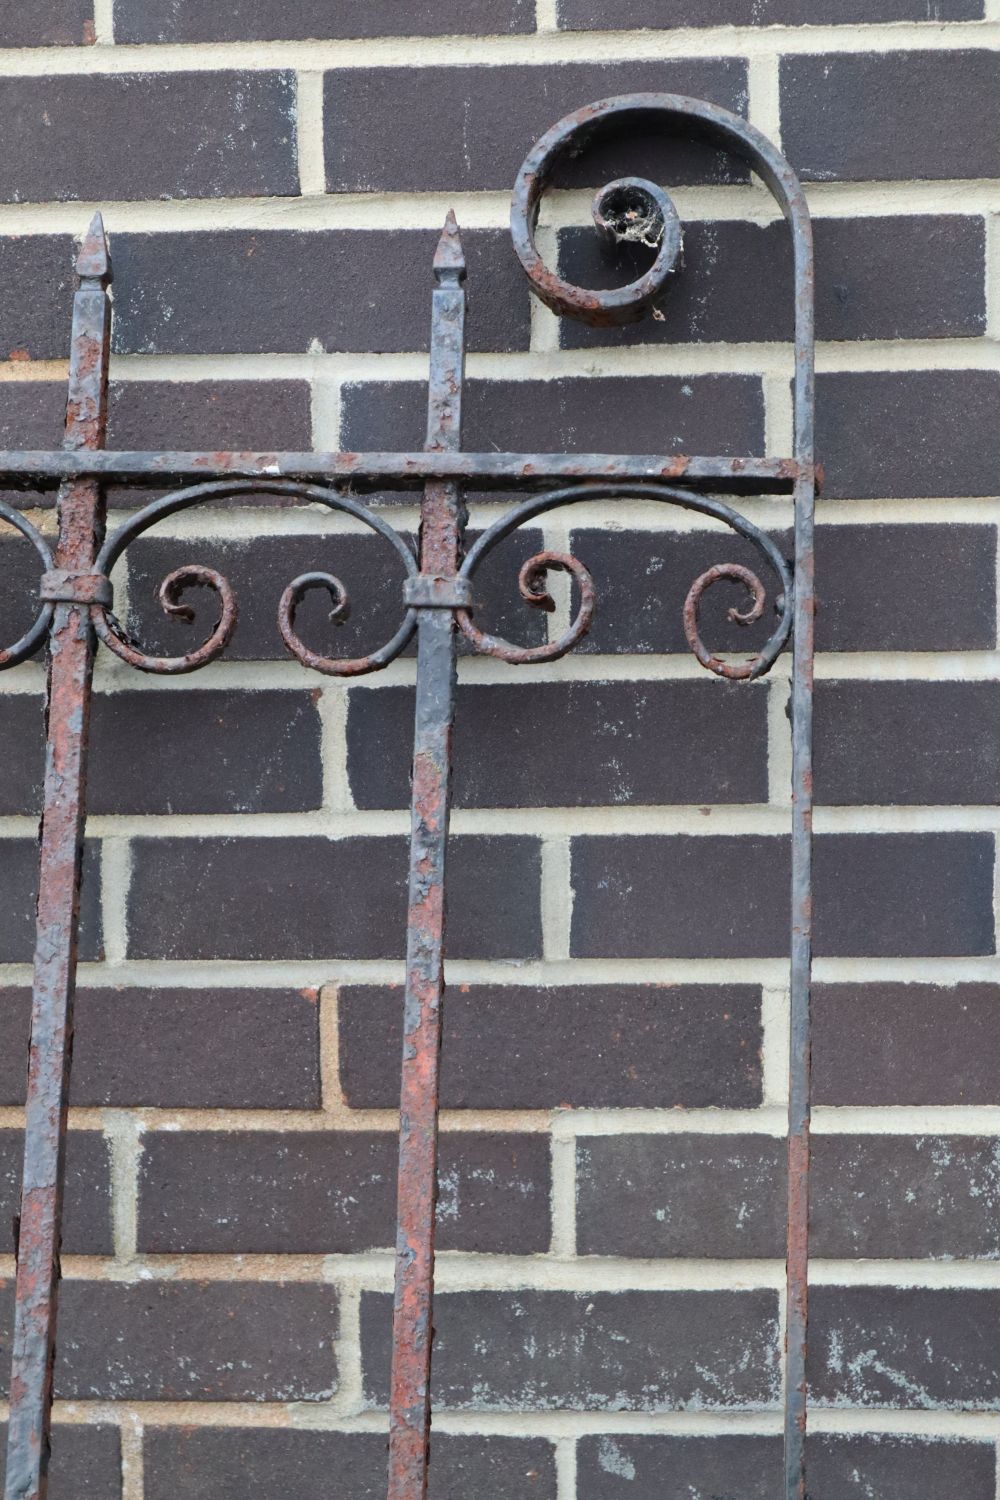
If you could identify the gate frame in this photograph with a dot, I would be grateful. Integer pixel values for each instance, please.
(76, 597)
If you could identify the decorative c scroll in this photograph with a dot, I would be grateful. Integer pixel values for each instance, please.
(114, 636)
(35, 637)
(533, 571)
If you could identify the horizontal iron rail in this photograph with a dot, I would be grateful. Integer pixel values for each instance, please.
(44, 469)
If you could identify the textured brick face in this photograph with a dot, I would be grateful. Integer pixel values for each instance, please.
(183, 135)
(613, 1046)
(239, 1463)
(618, 1351)
(86, 1462)
(271, 20)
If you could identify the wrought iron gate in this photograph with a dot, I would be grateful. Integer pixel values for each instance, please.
(76, 609)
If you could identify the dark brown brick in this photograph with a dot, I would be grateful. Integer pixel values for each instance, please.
(166, 414)
(867, 116)
(571, 744)
(87, 1222)
(600, 1046)
(875, 279)
(260, 568)
(873, 1197)
(282, 291)
(193, 1341)
(881, 588)
(243, 1463)
(271, 20)
(199, 752)
(57, 23)
(904, 1348)
(708, 414)
(600, 15)
(86, 1462)
(909, 433)
(259, 898)
(905, 1044)
(907, 742)
(36, 295)
(589, 1351)
(883, 895)
(18, 886)
(626, 1467)
(451, 129)
(148, 135)
(321, 1193)
(180, 1048)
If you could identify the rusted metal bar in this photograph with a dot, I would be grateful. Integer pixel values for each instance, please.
(435, 597)
(71, 647)
(364, 472)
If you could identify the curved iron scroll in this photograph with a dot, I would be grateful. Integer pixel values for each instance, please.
(438, 604)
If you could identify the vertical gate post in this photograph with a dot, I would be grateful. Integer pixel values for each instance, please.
(435, 592)
(72, 587)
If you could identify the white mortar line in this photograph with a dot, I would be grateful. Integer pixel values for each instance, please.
(564, 1191)
(116, 874)
(326, 415)
(565, 1454)
(764, 88)
(331, 701)
(538, 49)
(123, 1130)
(556, 893)
(776, 1021)
(309, 133)
(349, 1397)
(104, 23)
(547, 15)
(779, 743)
(130, 1432)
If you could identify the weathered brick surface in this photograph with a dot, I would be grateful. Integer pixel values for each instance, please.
(279, 291)
(876, 894)
(57, 23)
(18, 885)
(320, 1193)
(271, 20)
(36, 295)
(451, 129)
(180, 1048)
(910, 434)
(874, 1197)
(881, 1043)
(510, 745)
(905, 1347)
(602, 1351)
(86, 1462)
(881, 588)
(602, 1046)
(240, 1463)
(586, 15)
(907, 742)
(193, 1341)
(175, 135)
(197, 752)
(875, 279)
(270, 898)
(260, 568)
(877, 115)
(87, 1209)
(710, 414)
(840, 1468)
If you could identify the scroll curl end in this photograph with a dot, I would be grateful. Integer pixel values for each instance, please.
(737, 573)
(331, 666)
(171, 590)
(534, 592)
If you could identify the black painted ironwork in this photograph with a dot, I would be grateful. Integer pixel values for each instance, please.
(76, 610)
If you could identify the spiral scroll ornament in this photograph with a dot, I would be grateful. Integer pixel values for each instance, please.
(195, 575)
(535, 594)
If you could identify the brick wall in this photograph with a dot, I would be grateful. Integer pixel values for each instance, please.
(616, 1032)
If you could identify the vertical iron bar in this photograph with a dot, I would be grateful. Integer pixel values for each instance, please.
(442, 523)
(799, 1097)
(81, 522)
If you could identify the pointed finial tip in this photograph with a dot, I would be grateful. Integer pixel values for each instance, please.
(94, 261)
(449, 257)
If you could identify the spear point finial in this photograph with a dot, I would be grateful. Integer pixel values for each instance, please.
(94, 261)
(449, 257)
